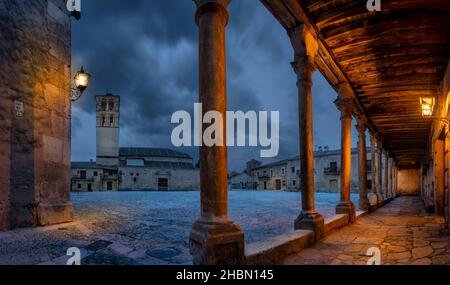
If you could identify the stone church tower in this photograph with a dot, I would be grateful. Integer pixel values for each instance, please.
(108, 114)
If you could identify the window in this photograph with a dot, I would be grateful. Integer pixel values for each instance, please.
(79, 186)
(109, 186)
(282, 171)
(83, 174)
(163, 184)
(134, 180)
(111, 105)
(111, 121)
(131, 174)
(103, 105)
(271, 173)
(333, 164)
(294, 182)
(293, 169)
(284, 182)
(103, 121)
(137, 174)
(95, 173)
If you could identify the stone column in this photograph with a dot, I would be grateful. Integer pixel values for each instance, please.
(386, 175)
(373, 197)
(345, 105)
(391, 178)
(361, 126)
(214, 238)
(305, 48)
(395, 181)
(380, 172)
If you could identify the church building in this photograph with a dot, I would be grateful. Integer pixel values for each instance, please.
(128, 168)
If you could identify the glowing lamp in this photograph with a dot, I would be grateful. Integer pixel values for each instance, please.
(427, 104)
(82, 79)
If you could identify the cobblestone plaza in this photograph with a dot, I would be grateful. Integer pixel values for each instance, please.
(148, 227)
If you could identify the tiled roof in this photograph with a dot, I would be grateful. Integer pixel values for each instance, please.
(151, 152)
(84, 165)
(162, 164)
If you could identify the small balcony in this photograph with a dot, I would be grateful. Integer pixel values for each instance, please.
(331, 171)
(82, 178)
(264, 177)
(107, 176)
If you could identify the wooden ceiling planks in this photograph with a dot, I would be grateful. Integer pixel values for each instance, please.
(391, 58)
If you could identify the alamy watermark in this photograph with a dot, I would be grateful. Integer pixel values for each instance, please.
(213, 135)
(74, 5)
(75, 256)
(374, 5)
(375, 256)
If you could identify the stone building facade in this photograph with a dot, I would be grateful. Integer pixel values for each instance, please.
(35, 110)
(284, 174)
(130, 169)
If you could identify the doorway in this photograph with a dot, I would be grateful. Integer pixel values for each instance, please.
(278, 184)
(333, 185)
(163, 184)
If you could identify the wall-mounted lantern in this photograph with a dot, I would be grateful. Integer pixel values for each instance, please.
(427, 105)
(82, 80)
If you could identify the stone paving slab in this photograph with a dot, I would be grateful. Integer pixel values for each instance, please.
(150, 227)
(402, 230)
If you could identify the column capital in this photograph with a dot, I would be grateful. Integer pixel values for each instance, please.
(205, 6)
(346, 106)
(361, 124)
(373, 139)
(305, 47)
(380, 145)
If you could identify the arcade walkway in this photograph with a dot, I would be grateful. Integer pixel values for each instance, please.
(402, 230)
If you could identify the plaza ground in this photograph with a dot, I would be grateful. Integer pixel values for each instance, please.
(403, 232)
(152, 228)
(149, 227)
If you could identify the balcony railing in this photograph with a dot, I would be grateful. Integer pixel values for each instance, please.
(79, 178)
(331, 171)
(108, 176)
(264, 177)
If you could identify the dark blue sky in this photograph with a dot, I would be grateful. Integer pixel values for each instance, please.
(146, 51)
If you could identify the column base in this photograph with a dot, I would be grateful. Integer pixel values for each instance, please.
(54, 213)
(364, 204)
(311, 221)
(217, 242)
(347, 208)
(380, 198)
(373, 200)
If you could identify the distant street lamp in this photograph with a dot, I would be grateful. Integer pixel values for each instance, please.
(82, 80)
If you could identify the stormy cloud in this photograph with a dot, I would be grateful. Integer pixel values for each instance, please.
(147, 52)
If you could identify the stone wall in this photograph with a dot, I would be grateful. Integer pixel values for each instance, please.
(409, 182)
(147, 178)
(35, 141)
